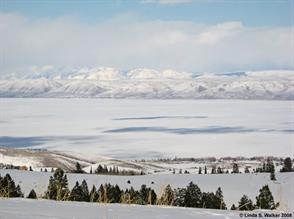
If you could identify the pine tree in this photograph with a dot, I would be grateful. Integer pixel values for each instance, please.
(245, 204)
(219, 170)
(219, 201)
(102, 192)
(246, 170)
(265, 199)
(85, 191)
(180, 194)
(207, 200)
(287, 165)
(76, 193)
(152, 197)
(8, 188)
(58, 186)
(94, 196)
(235, 168)
(205, 170)
(273, 176)
(213, 170)
(200, 170)
(78, 168)
(193, 196)
(233, 207)
(32, 194)
(51, 190)
(143, 195)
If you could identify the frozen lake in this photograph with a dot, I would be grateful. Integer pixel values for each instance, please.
(130, 129)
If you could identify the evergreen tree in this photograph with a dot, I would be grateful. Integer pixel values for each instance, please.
(273, 176)
(213, 170)
(235, 168)
(76, 193)
(219, 170)
(233, 207)
(287, 165)
(270, 167)
(143, 195)
(51, 190)
(205, 170)
(265, 199)
(85, 191)
(208, 200)
(58, 186)
(114, 193)
(219, 201)
(193, 196)
(8, 188)
(78, 168)
(32, 194)
(152, 197)
(94, 196)
(180, 194)
(200, 170)
(102, 192)
(246, 170)
(245, 204)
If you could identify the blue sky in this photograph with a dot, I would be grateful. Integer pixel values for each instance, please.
(249, 12)
(184, 35)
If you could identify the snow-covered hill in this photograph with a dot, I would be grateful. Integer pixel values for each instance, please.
(45, 209)
(232, 185)
(149, 83)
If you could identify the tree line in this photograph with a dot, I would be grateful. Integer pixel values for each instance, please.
(190, 196)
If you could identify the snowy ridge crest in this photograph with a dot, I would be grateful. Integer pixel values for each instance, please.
(102, 82)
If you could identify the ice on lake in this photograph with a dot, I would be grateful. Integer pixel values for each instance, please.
(138, 128)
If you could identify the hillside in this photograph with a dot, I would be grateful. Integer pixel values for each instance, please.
(233, 185)
(149, 83)
(45, 209)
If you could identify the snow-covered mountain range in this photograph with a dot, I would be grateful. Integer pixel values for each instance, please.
(149, 83)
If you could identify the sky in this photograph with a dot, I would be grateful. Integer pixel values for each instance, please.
(184, 35)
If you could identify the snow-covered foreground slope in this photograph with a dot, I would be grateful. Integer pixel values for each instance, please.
(233, 185)
(149, 83)
(45, 209)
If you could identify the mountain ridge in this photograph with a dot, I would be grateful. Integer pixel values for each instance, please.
(102, 82)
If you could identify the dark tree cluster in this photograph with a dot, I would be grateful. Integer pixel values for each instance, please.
(191, 196)
(8, 189)
(264, 200)
(267, 167)
(115, 171)
(287, 167)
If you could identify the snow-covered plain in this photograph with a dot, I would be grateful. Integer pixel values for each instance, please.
(233, 185)
(45, 209)
(138, 128)
(150, 83)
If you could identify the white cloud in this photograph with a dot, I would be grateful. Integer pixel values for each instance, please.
(128, 43)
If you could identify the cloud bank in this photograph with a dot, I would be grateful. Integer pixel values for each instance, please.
(127, 42)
